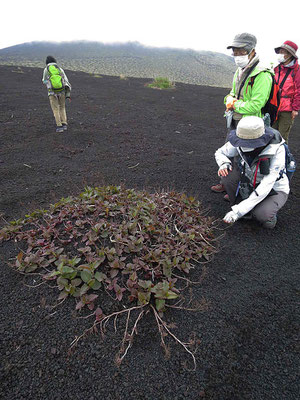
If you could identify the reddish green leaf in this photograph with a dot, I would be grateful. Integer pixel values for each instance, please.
(86, 276)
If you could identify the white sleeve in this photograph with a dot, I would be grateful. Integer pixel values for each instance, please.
(67, 83)
(45, 75)
(223, 153)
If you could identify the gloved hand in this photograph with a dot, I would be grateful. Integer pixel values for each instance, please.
(230, 217)
(230, 102)
(229, 99)
(223, 170)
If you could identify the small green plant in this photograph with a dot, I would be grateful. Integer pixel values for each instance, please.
(136, 247)
(161, 83)
(95, 75)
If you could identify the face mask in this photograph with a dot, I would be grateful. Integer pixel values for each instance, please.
(280, 58)
(246, 149)
(241, 61)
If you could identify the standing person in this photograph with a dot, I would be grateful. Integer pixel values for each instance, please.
(251, 86)
(59, 89)
(287, 75)
(257, 183)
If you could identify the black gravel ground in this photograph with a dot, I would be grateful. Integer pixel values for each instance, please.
(249, 337)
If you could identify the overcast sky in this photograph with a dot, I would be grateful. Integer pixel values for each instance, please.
(200, 25)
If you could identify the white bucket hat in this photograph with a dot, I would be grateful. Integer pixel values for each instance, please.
(251, 132)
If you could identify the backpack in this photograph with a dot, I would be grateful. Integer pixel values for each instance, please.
(272, 105)
(55, 77)
(245, 187)
(290, 163)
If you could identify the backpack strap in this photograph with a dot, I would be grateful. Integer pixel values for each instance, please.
(54, 65)
(246, 77)
(282, 82)
(252, 79)
(256, 169)
(279, 72)
(283, 171)
(284, 79)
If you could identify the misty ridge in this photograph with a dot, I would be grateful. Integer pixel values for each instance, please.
(130, 59)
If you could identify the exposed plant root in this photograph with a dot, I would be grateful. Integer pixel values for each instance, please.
(103, 322)
(34, 286)
(58, 304)
(203, 238)
(50, 315)
(162, 325)
(217, 221)
(27, 273)
(218, 238)
(199, 306)
(87, 316)
(162, 334)
(202, 277)
(128, 338)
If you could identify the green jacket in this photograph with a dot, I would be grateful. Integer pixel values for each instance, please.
(254, 97)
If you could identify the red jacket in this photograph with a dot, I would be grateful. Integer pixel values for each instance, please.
(290, 95)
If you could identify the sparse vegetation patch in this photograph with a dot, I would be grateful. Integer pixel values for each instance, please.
(136, 247)
(96, 75)
(162, 83)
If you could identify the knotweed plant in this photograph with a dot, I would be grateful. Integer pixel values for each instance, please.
(136, 247)
(161, 83)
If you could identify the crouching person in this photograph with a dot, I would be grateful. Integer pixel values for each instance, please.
(256, 182)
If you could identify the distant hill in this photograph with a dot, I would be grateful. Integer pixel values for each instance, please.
(129, 59)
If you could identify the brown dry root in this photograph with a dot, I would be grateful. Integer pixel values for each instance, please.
(190, 282)
(128, 333)
(164, 331)
(127, 336)
(194, 306)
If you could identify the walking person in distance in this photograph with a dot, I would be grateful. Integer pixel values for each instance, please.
(59, 89)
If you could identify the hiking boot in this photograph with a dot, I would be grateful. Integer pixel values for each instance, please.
(65, 127)
(59, 129)
(219, 188)
(271, 223)
(226, 197)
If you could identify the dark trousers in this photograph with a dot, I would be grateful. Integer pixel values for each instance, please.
(284, 124)
(265, 210)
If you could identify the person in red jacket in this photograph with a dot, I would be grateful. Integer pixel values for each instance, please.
(287, 74)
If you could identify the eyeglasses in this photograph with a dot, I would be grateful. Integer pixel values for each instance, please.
(239, 52)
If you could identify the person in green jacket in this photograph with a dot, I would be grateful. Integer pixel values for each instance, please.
(250, 89)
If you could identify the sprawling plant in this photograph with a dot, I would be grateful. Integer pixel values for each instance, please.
(137, 247)
(162, 83)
